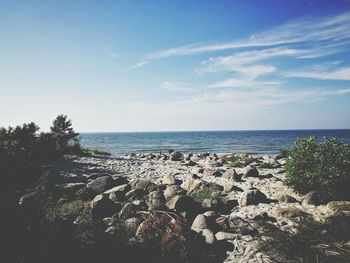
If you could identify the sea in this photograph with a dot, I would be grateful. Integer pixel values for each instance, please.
(262, 142)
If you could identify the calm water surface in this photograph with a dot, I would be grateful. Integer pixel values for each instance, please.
(257, 142)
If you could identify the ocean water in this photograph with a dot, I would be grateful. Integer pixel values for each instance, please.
(254, 142)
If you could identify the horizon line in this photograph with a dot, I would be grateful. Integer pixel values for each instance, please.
(238, 130)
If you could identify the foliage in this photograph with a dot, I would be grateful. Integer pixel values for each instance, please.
(64, 134)
(92, 151)
(321, 166)
(202, 194)
(284, 152)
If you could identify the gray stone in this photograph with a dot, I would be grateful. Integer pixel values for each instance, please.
(199, 223)
(172, 191)
(225, 236)
(156, 200)
(102, 206)
(252, 197)
(250, 171)
(131, 225)
(208, 236)
(232, 174)
(176, 156)
(315, 198)
(168, 179)
(101, 184)
(129, 210)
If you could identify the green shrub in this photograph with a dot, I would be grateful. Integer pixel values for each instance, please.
(323, 166)
(200, 195)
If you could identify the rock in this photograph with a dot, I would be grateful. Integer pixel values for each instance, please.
(143, 184)
(118, 193)
(252, 197)
(85, 194)
(185, 205)
(131, 225)
(240, 226)
(191, 185)
(135, 194)
(287, 199)
(229, 185)
(191, 163)
(211, 214)
(232, 174)
(101, 184)
(176, 156)
(336, 206)
(71, 188)
(199, 223)
(315, 198)
(197, 170)
(156, 200)
(222, 223)
(102, 206)
(168, 179)
(290, 212)
(208, 236)
(225, 236)
(173, 190)
(211, 187)
(209, 172)
(250, 171)
(129, 210)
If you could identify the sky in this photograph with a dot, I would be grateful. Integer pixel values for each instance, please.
(176, 65)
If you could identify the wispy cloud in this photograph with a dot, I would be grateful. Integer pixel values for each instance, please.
(337, 74)
(307, 30)
(176, 86)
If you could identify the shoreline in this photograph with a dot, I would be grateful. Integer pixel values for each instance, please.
(246, 194)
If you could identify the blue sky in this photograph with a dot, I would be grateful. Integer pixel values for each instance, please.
(176, 65)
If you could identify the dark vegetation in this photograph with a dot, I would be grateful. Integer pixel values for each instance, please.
(323, 166)
(40, 231)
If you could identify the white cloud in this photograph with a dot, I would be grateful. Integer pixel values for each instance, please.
(242, 83)
(307, 30)
(176, 86)
(337, 74)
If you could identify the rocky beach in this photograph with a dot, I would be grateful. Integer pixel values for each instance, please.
(234, 207)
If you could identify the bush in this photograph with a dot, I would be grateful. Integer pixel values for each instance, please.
(323, 166)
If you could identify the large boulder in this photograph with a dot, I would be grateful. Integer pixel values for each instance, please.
(102, 206)
(191, 185)
(250, 171)
(252, 196)
(199, 223)
(232, 174)
(131, 225)
(143, 184)
(129, 210)
(184, 205)
(118, 193)
(101, 184)
(240, 226)
(336, 206)
(209, 236)
(168, 179)
(290, 212)
(225, 236)
(176, 156)
(315, 198)
(173, 190)
(156, 200)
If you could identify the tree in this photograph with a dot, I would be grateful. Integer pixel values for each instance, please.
(63, 133)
